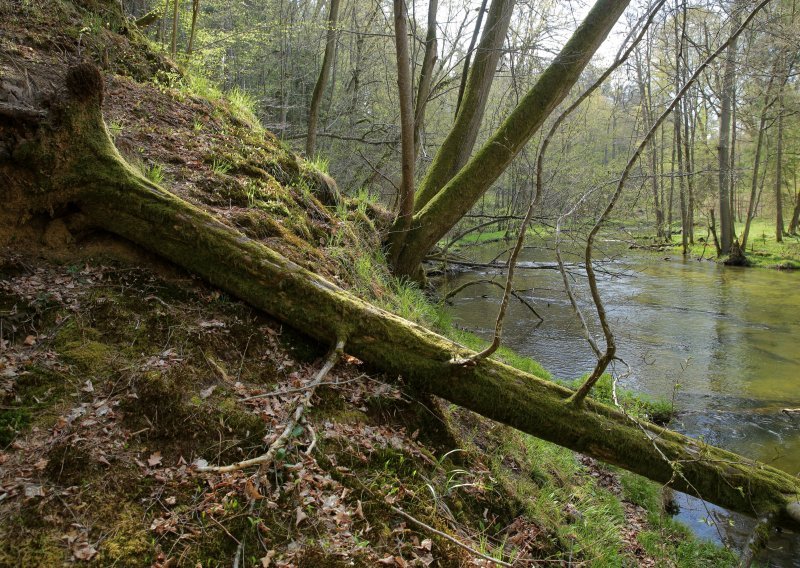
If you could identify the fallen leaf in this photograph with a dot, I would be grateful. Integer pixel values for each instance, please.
(251, 491)
(205, 393)
(388, 561)
(30, 340)
(154, 459)
(87, 386)
(34, 491)
(84, 551)
(266, 560)
(300, 516)
(171, 500)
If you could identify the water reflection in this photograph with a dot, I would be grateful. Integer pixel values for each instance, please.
(726, 337)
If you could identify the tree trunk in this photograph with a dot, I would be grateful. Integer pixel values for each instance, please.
(457, 146)
(751, 204)
(644, 94)
(405, 208)
(322, 80)
(796, 213)
(195, 12)
(724, 154)
(173, 50)
(72, 161)
(468, 59)
(779, 227)
(425, 76)
(449, 204)
(678, 128)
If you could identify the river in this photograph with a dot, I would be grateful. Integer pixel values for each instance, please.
(724, 341)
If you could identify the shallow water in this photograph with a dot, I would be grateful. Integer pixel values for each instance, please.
(723, 341)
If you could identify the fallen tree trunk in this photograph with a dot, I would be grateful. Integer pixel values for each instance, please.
(71, 162)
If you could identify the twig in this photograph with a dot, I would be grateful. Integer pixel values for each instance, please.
(267, 458)
(301, 389)
(218, 368)
(608, 356)
(448, 537)
(313, 435)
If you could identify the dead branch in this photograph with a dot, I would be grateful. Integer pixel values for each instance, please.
(448, 537)
(267, 458)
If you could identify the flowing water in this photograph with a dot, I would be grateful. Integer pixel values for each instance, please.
(723, 341)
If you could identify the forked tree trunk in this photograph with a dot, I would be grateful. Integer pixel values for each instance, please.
(446, 206)
(72, 160)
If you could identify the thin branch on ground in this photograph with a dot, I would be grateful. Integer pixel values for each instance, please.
(267, 458)
(450, 538)
(310, 385)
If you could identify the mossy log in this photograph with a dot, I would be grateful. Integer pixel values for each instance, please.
(71, 163)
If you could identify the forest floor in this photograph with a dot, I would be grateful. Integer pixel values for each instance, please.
(121, 375)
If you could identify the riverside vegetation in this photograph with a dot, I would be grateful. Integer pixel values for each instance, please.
(120, 373)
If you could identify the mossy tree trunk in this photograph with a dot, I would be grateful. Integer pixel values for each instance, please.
(444, 207)
(71, 161)
(457, 146)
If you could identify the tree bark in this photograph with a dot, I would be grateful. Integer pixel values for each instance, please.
(460, 193)
(195, 12)
(322, 80)
(173, 50)
(457, 146)
(405, 208)
(680, 36)
(726, 104)
(468, 59)
(751, 204)
(72, 160)
(644, 94)
(425, 76)
(779, 227)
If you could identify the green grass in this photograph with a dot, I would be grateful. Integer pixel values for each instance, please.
(243, 107)
(637, 405)
(762, 248)
(155, 173)
(666, 538)
(220, 167)
(319, 163)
